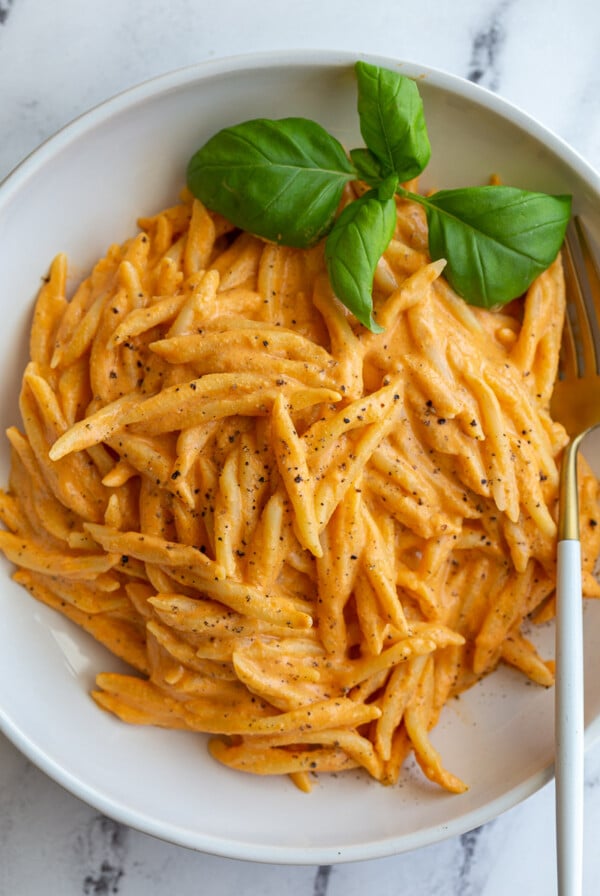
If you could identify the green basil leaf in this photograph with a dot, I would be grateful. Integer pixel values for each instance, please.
(282, 180)
(496, 240)
(357, 241)
(392, 120)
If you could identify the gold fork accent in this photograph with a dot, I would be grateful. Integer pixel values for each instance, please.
(575, 404)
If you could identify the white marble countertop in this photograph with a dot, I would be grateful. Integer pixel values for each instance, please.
(59, 58)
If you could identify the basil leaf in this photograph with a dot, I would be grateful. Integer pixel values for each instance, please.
(496, 240)
(356, 243)
(392, 120)
(282, 180)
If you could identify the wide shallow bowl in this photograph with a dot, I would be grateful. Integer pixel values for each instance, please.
(83, 190)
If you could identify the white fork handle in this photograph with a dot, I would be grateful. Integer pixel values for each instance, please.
(569, 722)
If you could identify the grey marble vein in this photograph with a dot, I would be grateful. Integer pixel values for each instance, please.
(477, 859)
(321, 882)
(103, 852)
(5, 6)
(487, 46)
(468, 843)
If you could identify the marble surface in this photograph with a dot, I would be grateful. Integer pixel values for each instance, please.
(59, 58)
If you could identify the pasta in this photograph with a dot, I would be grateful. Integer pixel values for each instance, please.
(302, 536)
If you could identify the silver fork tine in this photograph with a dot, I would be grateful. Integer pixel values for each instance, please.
(571, 356)
(581, 311)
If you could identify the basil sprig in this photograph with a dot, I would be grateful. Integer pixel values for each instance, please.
(284, 180)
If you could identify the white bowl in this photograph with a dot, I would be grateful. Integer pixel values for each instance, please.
(83, 190)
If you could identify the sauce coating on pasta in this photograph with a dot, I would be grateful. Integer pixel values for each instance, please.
(304, 537)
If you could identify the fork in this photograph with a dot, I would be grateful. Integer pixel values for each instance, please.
(575, 404)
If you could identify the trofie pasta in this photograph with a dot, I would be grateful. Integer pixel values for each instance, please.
(303, 537)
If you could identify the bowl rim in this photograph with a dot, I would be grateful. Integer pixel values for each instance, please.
(152, 88)
(200, 71)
